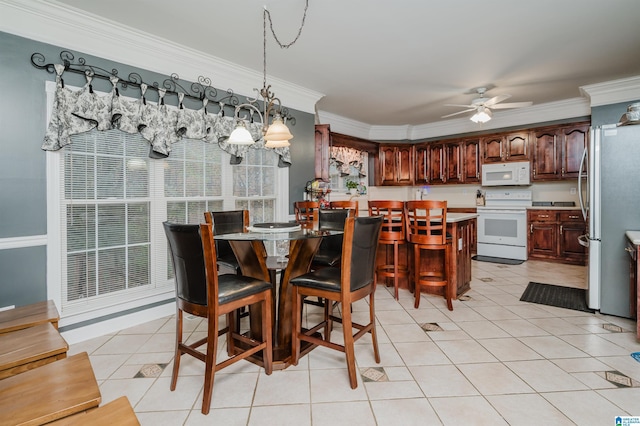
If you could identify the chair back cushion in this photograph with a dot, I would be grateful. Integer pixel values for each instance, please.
(187, 256)
(364, 246)
(228, 222)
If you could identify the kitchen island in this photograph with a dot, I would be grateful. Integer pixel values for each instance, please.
(461, 227)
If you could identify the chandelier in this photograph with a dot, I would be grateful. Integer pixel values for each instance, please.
(276, 135)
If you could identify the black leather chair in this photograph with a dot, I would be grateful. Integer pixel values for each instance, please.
(354, 280)
(201, 291)
(227, 222)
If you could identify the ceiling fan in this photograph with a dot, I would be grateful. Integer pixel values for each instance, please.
(483, 106)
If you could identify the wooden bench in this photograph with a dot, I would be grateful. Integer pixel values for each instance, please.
(26, 349)
(117, 412)
(28, 316)
(49, 392)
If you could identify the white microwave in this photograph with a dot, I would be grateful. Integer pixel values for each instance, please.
(506, 174)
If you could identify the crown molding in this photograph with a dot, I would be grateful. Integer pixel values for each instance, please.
(612, 92)
(53, 23)
(570, 108)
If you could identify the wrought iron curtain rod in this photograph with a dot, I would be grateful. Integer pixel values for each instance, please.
(199, 90)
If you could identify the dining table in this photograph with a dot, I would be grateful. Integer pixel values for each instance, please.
(251, 254)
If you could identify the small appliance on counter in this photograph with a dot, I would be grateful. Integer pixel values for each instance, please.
(479, 198)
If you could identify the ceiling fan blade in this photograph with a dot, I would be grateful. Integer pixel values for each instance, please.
(491, 102)
(460, 106)
(512, 105)
(459, 112)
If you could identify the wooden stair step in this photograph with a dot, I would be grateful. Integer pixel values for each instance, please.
(49, 392)
(117, 412)
(28, 316)
(26, 349)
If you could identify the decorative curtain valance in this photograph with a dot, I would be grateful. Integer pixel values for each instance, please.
(162, 125)
(344, 158)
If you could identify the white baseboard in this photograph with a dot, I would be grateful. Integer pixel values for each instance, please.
(114, 325)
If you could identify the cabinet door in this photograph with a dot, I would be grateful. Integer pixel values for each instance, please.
(492, 149)
(574, 142)
(436, 163)
(569, 249)
(471, 155)
(453, 169)
(546, 155)
(543, 239)
(517, 147)
(404, 167)
(387, 165)
(322, 144)
(421, 173)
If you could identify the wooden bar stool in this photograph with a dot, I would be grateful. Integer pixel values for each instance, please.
(351, 205)
(426, 222)
(50, 392)
(26, 349)
(29, 315)
(306, 213)
(392, 235)
(117, 412)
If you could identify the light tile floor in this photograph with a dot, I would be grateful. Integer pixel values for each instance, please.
(493, 360)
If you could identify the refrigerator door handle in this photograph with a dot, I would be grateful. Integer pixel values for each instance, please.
(583, 205)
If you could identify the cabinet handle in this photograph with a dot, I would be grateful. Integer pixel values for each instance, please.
(531, 228)
(543, 215)
(573, 216)
(560, 229)
(628, 249)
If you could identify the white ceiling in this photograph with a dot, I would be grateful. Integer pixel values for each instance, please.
(397, 63)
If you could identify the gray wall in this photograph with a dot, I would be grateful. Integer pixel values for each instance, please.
(22, 162)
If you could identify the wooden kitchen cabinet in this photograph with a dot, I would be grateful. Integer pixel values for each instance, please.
(553, 235)
(505, 147)
(396, 164)
(422, 167)
(557, 151)
(454, 162)
(437, 163)
(471, 156)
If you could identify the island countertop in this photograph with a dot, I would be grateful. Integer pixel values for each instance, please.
(460, 217)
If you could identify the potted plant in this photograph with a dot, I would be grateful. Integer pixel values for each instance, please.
(352, 186)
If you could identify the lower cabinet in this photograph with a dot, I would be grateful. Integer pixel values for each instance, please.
(553, 235)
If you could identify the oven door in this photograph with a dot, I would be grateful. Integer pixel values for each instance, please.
(502, 226)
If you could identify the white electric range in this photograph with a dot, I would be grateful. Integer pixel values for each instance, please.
(502, 223)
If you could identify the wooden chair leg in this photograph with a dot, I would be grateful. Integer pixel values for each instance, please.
(210, 364)
(395, 269)
(296, 326)
(416, 275)
(447, 289)
(349, 346)
(176, 357)
(267, 353)
(374, 334)
(328, 325)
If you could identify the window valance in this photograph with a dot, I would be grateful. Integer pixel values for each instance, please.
(344, 158)
(78, 111)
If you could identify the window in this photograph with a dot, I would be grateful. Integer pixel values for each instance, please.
(107, 250)
(341, 173)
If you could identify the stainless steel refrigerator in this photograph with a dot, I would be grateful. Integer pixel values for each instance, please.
(610, 200)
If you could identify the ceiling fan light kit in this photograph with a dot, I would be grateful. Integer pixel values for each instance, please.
(483, 106)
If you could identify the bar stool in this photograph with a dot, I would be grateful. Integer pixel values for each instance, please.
(391, 235)
(306, 213)
(351, 205)
(426, 222)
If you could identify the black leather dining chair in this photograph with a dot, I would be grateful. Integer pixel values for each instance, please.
(202, 292)
(354, 280)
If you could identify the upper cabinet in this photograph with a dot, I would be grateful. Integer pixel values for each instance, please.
(395, 164)
(557, 151)
(421, 161)
(505, 147)
(471, 156)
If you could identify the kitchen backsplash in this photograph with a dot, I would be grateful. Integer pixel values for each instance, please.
(465, 195)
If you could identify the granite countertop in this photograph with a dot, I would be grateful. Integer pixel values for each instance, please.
(633, 236)
(553, 208)
(460, 217)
